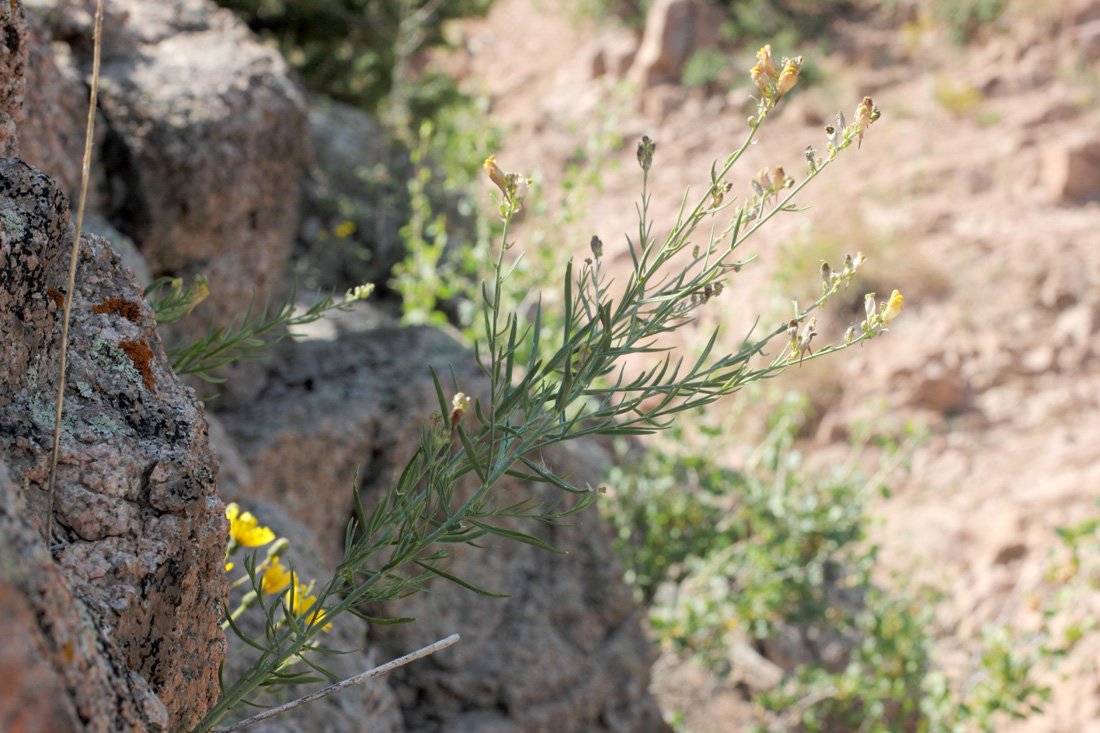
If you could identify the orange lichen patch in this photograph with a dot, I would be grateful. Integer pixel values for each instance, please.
(56, 297)
(125, 308)
(140, 353)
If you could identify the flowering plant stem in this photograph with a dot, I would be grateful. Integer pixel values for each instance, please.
(578, 387)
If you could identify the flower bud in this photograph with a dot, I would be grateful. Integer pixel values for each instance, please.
(789, 77)
(869, 306)
(496, 175)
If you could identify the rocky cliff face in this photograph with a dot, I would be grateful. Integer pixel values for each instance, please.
(201, 148)
(135, 583)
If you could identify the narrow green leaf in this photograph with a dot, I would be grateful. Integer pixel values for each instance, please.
(471, 453)
(459, 581)
(518, 536)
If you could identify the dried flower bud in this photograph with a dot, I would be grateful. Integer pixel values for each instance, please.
(646, 148)
(866, 113)
(857, 263)
(718, 192)
(459, 404)
(849, 335)
(517, 186)
(869, 306)
(597, 247)
(808, 333)
(826, 272)
(830, 132)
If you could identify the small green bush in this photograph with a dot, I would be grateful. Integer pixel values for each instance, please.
(775, 550)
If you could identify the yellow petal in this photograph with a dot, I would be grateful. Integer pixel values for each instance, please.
(893, 307)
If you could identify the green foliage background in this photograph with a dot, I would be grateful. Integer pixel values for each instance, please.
(349, 49)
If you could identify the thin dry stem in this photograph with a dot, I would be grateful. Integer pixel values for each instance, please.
(349, 682)
(85, 167)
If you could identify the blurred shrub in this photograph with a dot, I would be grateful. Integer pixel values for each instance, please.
(353, 50)
(777, 552)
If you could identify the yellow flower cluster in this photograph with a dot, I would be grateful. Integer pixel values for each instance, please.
(359, 292)
(773, 80)
(877, 318)
(245, 531)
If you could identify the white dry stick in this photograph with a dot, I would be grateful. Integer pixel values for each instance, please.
(350, 681)
(86, 166)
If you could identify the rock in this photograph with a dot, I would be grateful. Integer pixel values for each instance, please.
(359, 175)
(661, 101)
(1087, 39)
(674, 31)
(941, 387)
(1038, 360)
(1070, 170)
(1062, 281)
(565, 652)
(61, 670)
(206, 143)
(55, 115)
(614, 53)
(141, 530)
(13, 60)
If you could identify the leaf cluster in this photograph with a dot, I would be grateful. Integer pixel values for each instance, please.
(247, 336)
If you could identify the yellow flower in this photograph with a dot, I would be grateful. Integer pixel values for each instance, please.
(302, 602)
(276, 577)
(789, 77)
(761, 80)
(228, 566)
(496, 175)
(243, 529)
(200, 292)
(766, 62)
(893, 307)
(345, 230)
